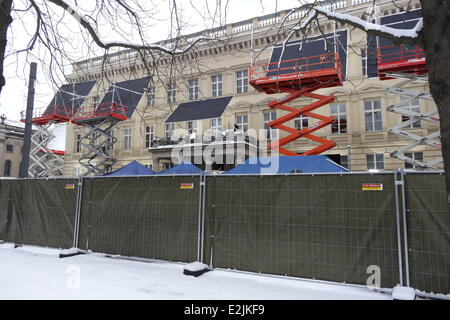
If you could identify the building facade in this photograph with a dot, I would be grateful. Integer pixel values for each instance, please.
(221, 70)
(11, 143)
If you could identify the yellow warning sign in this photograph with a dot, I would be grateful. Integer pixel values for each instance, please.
(187, 186)
(372, 186)
(69, 186)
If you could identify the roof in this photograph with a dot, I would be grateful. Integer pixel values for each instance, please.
(184, 167)
(126, 93)
(70, 96)
(287, 164)
(202, 109)
(132, 169)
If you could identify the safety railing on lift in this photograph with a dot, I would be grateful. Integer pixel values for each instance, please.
(61, 113)
(395, 54)
(102, 110)
(302, 67)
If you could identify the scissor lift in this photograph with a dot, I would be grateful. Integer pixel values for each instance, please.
(299, 78)
(46, 162)
(408, 63)
(98, 140)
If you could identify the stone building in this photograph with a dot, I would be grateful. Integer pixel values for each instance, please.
(11, 142)
(216, 78)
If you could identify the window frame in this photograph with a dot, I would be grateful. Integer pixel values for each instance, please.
(243, 125)
(271, 133)
(193, 89)
(149, 136)
(171, 93)
(127, 138)
(337, 116)
(151, 97)
(242, 81)
(375, 160)
(372, 112)
(301, 120)
(216, 85)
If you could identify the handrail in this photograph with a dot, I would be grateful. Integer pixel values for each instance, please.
(300, 65)
(103, 109)
(402, 55)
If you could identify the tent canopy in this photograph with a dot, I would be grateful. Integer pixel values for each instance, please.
(184, 167)
(132, 169)
(287, 164)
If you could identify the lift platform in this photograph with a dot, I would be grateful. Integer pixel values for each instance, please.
(408, 63)
(46, 162)
(98, 139)
(299, 78)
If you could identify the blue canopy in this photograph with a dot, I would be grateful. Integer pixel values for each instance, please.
(132, 169)
(184, 167)
(287, 164)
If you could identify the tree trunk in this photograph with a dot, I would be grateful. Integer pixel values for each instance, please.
(5, 21)
(436, 37)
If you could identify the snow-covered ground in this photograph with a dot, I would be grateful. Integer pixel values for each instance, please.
(38, 273)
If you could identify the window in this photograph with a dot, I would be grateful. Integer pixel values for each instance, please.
(170, 127)
(96, 102)
(151, 97)
(76, 171)
(9, 148)
(242, 81)
(242, 122)
(193, 89)
(344, 161)
(94, 139)
(110, 147)
(148, 166)
(364, 61)
(372, 113)
(148, 136)
(7, 170)
(127, 138)
(78, 143)
(338, 112)
(270, 132)
(301, 122)
(167, 165)
(216, 85)
(413, 106)
(171, 93)
(418, 156)
(192, 126)
(375, 161)
(216, 126)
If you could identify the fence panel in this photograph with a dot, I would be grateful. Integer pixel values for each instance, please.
(428, 223)
(5, 210)
(320, 227)
(150, 217)
(40, 211)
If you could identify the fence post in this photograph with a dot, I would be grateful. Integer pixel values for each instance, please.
(405, 228)
(203, 218)
(199, 230)
(397, 215)
(77, 212)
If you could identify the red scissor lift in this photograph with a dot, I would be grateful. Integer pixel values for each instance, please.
(45, 161)
(99, 140)
(408, 63)
(299, 78)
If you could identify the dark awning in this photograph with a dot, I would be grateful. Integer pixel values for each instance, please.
(197, 110)
(70, 96)
(126, 93)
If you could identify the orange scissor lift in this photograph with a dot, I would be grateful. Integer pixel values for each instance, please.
(45, 161)
(299, 78)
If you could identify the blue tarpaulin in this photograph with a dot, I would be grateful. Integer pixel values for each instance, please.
(184, 167)
(132, 169)
(287, 164)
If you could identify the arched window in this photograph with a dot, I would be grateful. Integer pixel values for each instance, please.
(7, 170)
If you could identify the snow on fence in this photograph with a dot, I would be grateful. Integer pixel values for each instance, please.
(335, 227)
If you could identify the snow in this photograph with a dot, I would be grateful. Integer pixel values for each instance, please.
(403, 293)
(367, 26)
(37, 273)
(196, 266)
